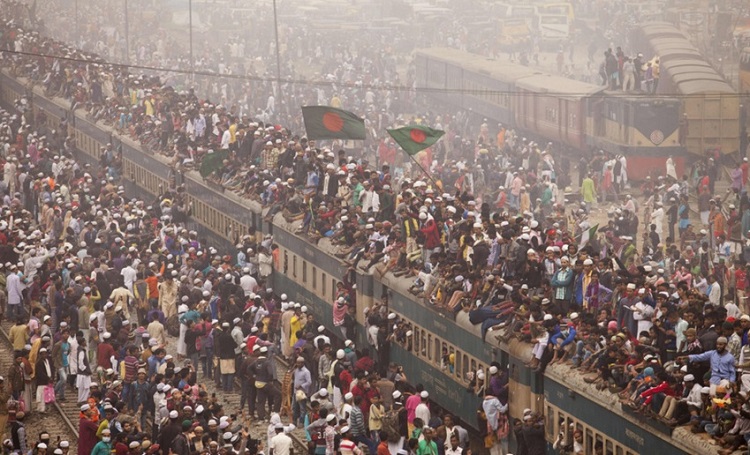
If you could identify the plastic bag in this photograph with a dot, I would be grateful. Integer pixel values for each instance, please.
(49, 394)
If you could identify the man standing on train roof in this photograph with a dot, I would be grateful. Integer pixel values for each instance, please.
(721, 361)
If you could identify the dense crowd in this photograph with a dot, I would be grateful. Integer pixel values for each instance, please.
(650, 302)
(93, 283)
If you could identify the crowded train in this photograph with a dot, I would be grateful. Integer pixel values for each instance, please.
(416, 311)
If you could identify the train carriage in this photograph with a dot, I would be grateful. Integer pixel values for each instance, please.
(483, 85)
(644, 131)
(641, 36)
(710, 105)
(554, 107)
(669, 49)
(712, 109)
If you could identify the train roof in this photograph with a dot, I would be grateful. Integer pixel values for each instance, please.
(541, 83)
(707, 86)
(504, 71)
(690, 66)
(681, 437)
(661, 29)
(696, 71)
(686, 62)
(671, 51)
(695, 77)
(638, 99)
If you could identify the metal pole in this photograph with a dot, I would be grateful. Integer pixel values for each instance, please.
(127, 36)
(192, 61)
(78, 31)
(278, 53)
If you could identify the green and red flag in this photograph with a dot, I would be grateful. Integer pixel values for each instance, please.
(415, 138)
(325, 122)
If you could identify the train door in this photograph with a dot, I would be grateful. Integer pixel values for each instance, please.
(562, 130)
(597, 117)
(626, 122)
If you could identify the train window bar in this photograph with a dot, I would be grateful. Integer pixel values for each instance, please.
(464, 366)
(550, 424)
(589, 442)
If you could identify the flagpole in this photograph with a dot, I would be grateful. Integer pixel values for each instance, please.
(434, 182)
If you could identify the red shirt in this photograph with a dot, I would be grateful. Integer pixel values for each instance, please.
(346, 380)
(103, 353)
(740, 279)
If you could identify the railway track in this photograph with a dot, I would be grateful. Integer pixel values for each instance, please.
(56, 420)
(61, 418)
(64, 421)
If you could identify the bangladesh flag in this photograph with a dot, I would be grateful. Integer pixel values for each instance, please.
(324, 122)
(587, 235)
(414, 139)
(213, 162)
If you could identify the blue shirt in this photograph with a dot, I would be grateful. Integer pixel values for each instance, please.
(722, 365)
(302, 379)
(153, 364)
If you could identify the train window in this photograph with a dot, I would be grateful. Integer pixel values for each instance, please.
(455, 363)
(550, 114)
(560, 423)
(323, 284)
(550, 424)
(610, 448)
(333, 289)
(464, 366)
(423, 348)
(294, 265)
(619, 450)
(433, 349)
(474, 366)
(314, 277)
(572, 118)
(304, 272)
(588, 442)
(599, 442)
(416, 341)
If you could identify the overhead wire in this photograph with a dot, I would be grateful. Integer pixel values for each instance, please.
(374, 87)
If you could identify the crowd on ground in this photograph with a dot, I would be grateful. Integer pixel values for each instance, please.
(650, 303)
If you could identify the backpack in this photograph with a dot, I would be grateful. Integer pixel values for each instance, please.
(391, 425)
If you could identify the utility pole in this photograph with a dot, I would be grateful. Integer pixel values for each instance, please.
(127, 36)
(278, 56)
(192, 60)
